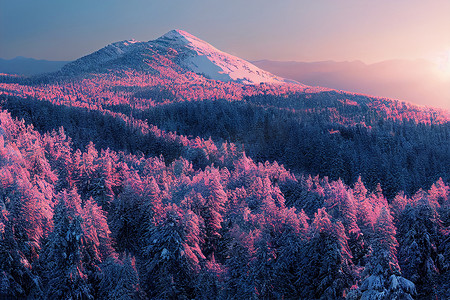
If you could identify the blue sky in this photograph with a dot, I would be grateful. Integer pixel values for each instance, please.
(253, 29)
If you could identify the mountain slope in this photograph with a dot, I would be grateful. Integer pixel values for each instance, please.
(178, 50)
(200, 57)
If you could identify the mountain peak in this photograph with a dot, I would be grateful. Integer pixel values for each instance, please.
(186, 50)
(181, 37)
(177, 33)
(203, 58)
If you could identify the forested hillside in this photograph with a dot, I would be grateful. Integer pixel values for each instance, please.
(84, 223)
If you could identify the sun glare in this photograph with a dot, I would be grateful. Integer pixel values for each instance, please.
(444, 64)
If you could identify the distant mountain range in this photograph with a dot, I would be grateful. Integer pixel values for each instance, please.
(29, 66)
(417, 81)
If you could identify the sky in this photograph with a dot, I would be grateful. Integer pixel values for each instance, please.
(300, 30)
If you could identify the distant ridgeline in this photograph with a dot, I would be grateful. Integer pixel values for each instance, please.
(134, 173)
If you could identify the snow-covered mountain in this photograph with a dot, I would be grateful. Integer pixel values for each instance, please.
(186, 51)
(202, 58)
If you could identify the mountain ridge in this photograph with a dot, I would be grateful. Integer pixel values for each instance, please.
(29, 66)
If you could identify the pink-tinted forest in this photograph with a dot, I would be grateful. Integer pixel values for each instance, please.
(134, 178)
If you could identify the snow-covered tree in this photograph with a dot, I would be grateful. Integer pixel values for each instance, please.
(239, 255)
(119, 279)
(170, 258)
(127, 213)
(382, 277)
(419, 236)
(326, 266)
(62, 259)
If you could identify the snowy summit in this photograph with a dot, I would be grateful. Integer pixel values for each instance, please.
(213, 63)
(183, 49)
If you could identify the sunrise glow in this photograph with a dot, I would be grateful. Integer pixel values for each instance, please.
(443, 62)
(225, 150)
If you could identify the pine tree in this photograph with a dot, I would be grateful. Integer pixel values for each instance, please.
(210, 280)
(127, 215)
(278, 248)
(326, 270)
(382, 276)
(59, 153)
(239, 255)
(87, 186)
(16, 277)
(63, 269)
(96, 231)
(419, 237)
(96, 241)
(120, 280)
(170, 262)
(439, 194)
(153, 206)
(364, 208)
(212, 214)
(104, 180)
(341, 206)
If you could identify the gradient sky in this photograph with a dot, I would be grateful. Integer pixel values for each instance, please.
(310, 30)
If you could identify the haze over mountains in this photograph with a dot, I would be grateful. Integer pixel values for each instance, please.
(29, 66)
(417, 81)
